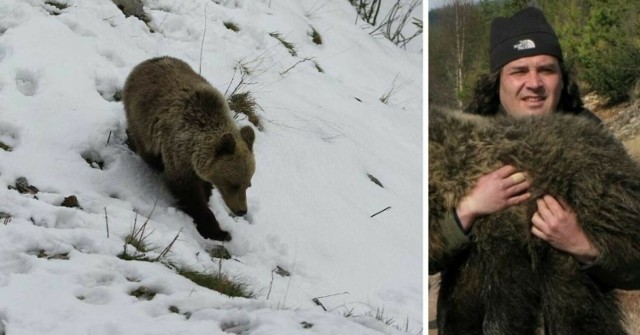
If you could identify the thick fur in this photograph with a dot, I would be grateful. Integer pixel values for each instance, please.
(178, 123)
(507, 280)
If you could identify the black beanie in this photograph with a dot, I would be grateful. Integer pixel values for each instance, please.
(526, 33)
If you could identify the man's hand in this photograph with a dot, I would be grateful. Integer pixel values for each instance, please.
(492, 193)
(557, 224)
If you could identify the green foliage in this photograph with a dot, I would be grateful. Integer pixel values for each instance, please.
(607, 57)
(457, 41)
(600, 40)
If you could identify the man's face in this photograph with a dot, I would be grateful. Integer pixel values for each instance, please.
(531, 86)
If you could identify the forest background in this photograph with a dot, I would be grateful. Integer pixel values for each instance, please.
(600, 41)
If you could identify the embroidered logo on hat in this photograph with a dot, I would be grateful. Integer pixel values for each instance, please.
(524, 45)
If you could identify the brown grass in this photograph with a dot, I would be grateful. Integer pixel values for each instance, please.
(244, 103)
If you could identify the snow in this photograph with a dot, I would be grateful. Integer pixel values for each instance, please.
(310, 205)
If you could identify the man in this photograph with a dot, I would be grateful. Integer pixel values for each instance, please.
(528, 77)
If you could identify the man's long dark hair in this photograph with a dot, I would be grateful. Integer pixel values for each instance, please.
(486, 98)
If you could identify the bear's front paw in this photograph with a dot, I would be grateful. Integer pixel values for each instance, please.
(215, 234)
(221, 235)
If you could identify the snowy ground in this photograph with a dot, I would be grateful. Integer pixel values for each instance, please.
(310, 205)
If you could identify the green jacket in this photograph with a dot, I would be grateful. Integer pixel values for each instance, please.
(626, 278)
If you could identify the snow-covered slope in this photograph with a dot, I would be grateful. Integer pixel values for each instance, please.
(310, 206)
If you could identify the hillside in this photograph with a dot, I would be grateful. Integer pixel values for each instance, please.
(622, 119)
(336, 116)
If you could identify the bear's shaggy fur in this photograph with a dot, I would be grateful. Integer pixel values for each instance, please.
(507, 281)
(178, 123)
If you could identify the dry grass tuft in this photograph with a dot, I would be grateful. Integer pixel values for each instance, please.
(55, 7)
(315, 36)
(244, 103)
(5, 147)
(231, 26)
(286, 44)
(218, 282)
(143, 293)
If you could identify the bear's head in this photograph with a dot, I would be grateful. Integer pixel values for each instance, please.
(230, 168)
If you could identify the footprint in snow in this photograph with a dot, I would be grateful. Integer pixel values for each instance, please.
(4, 51)
(95, 296)
(8, 137)
(112, 56)
(108, 88)
(27, 82)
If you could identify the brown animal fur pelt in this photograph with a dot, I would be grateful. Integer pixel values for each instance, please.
(179, 124)
(507, 280)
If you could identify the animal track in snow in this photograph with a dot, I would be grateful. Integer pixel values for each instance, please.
(77, 27)
(4, 50)
(95, 295)
(8, 137)
(108, 88)
(94, 159)
(112, 56)
(27, 82)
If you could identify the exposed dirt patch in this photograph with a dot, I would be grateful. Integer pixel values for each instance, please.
(22, 186)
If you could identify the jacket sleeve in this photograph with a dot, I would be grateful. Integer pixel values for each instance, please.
(446, 240)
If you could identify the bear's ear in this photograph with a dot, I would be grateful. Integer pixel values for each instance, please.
(248, 136)
(226, 146)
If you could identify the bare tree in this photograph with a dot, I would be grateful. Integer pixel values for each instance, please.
(460, 34)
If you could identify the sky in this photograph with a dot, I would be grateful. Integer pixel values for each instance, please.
(336, 200)
(436, 3)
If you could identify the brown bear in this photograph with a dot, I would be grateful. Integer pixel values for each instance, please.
(180, 125)
(506, 280)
